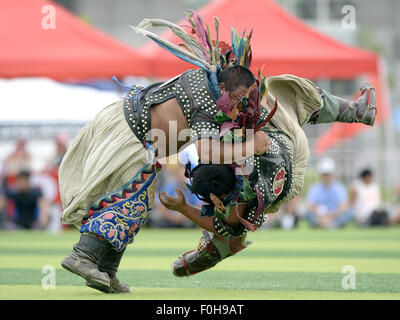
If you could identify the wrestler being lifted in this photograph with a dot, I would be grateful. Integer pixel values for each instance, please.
(239, 196)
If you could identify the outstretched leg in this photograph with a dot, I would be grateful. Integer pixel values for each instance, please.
(211, 250)
(334, 108)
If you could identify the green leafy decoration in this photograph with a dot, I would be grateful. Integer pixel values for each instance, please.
(247, 192)
(221, 117)
(224, 214)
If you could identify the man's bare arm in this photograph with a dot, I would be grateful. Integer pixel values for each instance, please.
(44, 209)
(217, 152)
(179, 204)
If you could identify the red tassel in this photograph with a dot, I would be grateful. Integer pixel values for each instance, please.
(247, 224)
(269, 116)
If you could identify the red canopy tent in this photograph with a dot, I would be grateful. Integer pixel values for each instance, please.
(72, 50)
(281, 42)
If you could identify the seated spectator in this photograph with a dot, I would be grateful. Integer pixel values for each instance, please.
(18, 160)
(2, 210)
(52, 167)
(395, 216)
(31, 208)
(327, 205)
(172, 177)
(365, 198)
(48, 186)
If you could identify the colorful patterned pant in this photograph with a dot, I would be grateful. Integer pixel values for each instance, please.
(118, 216)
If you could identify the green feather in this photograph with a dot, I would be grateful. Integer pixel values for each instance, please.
(263, 87)
(216, 49)
(212, 57)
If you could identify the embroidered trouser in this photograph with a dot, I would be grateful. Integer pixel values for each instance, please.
(103, 157)
(119, 216)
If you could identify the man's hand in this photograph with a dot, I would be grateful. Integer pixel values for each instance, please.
(44, 217)
(326, 221)
(261, 143)
(171, 203)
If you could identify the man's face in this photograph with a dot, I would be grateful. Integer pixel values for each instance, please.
(367, 179)
(234, 95)
(23, 184)
(327, 178)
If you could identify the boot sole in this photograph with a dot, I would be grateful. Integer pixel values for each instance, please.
(372, 102)
(99, 285)
(94, 286)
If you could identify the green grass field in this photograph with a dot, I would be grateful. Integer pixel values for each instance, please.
(300, 264)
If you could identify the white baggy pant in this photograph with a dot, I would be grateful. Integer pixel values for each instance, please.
(103, 157)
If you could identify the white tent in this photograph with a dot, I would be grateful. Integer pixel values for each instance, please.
(39, 108)
(42, 100)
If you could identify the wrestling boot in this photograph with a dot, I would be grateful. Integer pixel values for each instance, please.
(84, 258)
(362, 110)
(211, 250)
(109, 263)
(334, 108)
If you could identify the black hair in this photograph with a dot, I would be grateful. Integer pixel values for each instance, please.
(236, 76)
(213, 178)
(365, 173)
(24, 174)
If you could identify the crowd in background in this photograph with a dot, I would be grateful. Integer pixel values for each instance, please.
(30, 200)
(329, 204)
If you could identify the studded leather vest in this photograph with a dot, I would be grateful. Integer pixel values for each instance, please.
(272, 171)
(191, 90)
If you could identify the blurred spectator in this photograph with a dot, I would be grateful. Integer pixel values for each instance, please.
(3, 219)
(18, 160)
(395, 218)
(31, 208)
(327, 205)
(61, 144)
(172, 176)
(286, 218)
(49, 187)
(365, 198)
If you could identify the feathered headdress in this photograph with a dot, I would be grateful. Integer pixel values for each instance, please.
(199, 49)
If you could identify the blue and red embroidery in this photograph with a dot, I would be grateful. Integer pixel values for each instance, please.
(119, 216)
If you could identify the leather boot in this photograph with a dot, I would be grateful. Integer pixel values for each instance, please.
(109, 263)
(211, 250)
(84, 258)
(362, 110)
